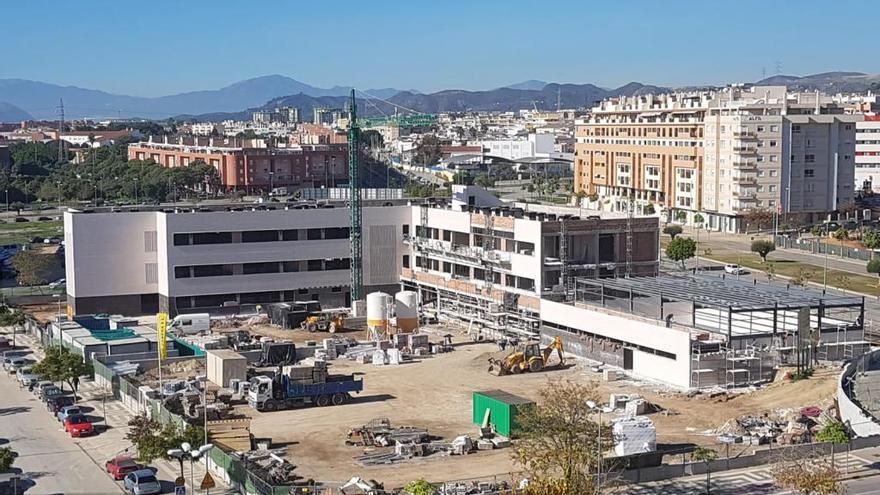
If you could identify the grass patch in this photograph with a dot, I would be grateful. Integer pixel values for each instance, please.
(22, 233)
(788, 268)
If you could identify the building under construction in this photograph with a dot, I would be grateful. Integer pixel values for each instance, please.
(700, 331)
(488, 265)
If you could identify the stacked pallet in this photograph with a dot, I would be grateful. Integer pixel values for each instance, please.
(231, 435)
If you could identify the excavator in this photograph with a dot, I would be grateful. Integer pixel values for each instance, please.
(526, 356)
(330, 320)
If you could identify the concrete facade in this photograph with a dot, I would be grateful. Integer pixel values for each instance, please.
(140, 262)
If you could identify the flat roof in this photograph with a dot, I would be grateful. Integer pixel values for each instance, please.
(505, 397)
(714, 291)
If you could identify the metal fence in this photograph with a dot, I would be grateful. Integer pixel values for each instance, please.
(816, 246)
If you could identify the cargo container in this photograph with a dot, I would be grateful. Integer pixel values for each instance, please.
(499, 409)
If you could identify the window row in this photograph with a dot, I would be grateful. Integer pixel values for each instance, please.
(229, 269)
(199, 238)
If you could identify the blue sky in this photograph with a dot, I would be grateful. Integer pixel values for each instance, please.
(167, 46)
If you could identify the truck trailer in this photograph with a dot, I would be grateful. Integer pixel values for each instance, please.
(283, 392)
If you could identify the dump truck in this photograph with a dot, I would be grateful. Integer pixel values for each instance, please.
(308, 385)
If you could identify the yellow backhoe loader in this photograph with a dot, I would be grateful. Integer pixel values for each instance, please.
(527, 356)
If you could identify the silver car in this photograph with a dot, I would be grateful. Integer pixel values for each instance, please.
(142, 482)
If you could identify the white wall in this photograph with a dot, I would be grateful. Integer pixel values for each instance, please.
(105, 253)
(635, 331)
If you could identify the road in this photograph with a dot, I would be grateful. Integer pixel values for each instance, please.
(50, 461)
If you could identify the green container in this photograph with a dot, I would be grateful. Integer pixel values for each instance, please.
(502, 408)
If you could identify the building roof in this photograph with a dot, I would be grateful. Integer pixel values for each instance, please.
(505, 397)
(718, 292)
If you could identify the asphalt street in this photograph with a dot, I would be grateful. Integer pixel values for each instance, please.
(49, 459)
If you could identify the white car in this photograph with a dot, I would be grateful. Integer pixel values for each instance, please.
(734, 269)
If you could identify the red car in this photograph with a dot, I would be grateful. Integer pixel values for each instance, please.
(78, 426)
(120, 466)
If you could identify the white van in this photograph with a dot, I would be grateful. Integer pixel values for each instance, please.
(190, 324)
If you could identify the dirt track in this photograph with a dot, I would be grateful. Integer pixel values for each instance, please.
(435, 393)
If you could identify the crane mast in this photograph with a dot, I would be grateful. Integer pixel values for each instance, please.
(354, 193)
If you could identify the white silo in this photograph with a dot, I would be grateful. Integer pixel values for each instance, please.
(406, 307)
(377, 313)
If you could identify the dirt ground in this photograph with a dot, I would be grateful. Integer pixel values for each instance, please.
(435, 393)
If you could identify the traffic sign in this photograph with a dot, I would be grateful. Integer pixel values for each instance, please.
(179, 490)
(180, 481)
(208, 482)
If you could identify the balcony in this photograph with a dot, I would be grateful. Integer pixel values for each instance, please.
(745, 196)
(746, 181)
(464, 254)
(745, 135)
(745, 165)
(745, 150)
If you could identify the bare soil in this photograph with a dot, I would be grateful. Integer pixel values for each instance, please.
(435, 393)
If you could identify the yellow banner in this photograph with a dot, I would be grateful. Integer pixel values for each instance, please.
(162, 328)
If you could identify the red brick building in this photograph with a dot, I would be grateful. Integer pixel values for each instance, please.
(249, 164)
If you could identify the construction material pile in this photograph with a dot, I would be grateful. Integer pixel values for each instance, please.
(409, 442)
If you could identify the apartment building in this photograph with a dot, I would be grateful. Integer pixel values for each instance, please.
(772, 150)
(719, 153)
(202, 260)
(648, 148)
(248, 164)
(867, 173)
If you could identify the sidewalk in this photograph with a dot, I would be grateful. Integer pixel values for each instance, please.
(857, 464)
(111, 441)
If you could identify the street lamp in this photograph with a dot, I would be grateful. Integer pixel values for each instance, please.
(599, 409)
(186, 451)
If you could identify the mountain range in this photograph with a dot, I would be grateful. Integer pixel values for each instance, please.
(42, 100)
(22, 99)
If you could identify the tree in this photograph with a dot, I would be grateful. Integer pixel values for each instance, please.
(420, 487)
(680, 216)
(649, 209)
(672, 230)
(31, 267)
(706, 455)
(484, 181)
(140, 427)
(804, 275)
(840, 234)
(812, 476)
(698, 219)
(558, 440)
(155, 443)
(428, 151)
(62, 365)
(681, 249)
(7, 458)
(848, 208)
(593, 197)
(763, 248)
(758, 218)
(871, 239)
(835, 432)
(874, 266)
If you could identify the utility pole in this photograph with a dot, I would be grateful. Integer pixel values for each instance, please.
(354, 192)
(61, 130)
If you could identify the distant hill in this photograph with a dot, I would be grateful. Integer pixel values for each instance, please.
(11, 113)
(453, 100)
(42, 99)
(829, 82)
(532, 84)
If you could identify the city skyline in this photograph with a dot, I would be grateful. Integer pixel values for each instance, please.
(427, 47)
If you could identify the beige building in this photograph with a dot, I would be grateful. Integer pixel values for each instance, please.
(719, 153)
(647, 146)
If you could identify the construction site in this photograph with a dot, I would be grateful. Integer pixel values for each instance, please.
(457, 313)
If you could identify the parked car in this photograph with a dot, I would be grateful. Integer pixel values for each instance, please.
(4, 341)
(50, 392)
(26, 378)
(16, 364)
(38, 388)
(120, 466)
(734, 269)
(55, 404)
(57, 283)
(21, 220)
(67, 411)
(142, 482)
(78, 426)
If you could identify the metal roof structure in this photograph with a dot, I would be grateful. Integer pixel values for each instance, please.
(718, 292)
